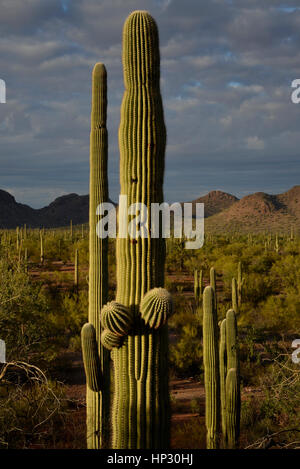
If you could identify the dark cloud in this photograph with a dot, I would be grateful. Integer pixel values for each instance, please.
(226, 69)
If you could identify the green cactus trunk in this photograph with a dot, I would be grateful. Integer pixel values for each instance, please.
(240, 282)
(234, 295)
(76, 270)
(213, 284)
(211, 369)
(232, 408)
(233, 400)
(141, 401)
(97, 400)
(198, 286)
(223, 371)
(42, 247)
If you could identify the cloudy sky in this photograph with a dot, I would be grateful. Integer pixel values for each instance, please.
(226, 68)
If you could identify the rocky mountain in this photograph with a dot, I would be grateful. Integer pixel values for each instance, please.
(223, 212)
(59, 213)
(214, 202)
(260, 211)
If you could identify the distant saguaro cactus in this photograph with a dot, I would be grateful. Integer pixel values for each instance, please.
(234, 294)
(76, 269)
(213, 284)
(240, 283)
(198, 286)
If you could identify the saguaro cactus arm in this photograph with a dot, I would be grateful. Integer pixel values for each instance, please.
(156, 307)
(92, 365)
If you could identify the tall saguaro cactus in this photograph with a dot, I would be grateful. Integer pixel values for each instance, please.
(140, 414)
(96, 357)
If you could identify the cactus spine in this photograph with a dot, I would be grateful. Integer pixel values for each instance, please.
(97, 392)
(211, 368)
(140, 414)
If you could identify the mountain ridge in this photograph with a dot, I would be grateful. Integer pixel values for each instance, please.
(223, 211)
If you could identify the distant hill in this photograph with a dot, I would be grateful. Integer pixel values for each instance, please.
(258, 212)
(59, 213)
(214, 202)
(223, 212)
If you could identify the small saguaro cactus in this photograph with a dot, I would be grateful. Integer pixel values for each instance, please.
(76, 269)
(211, 369)
(240, 283)
(213, 283)
(277, 243)
(198, 286)
(234, 294)
(232, 408)
(26, 260)
(223, 364)
(196, 294)
(96, 357)
(17, 238)
(230, 386)
(41, 247)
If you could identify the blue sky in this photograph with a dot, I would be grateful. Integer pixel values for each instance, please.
(226, 73)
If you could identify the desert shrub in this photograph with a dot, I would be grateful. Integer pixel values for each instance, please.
(272, 419)
(258, 287)
(25, 324)
(186, 354)
(263, 262)
(189, 435)
(287, 271)
(74, 311)
(33, 415)
(281, 312)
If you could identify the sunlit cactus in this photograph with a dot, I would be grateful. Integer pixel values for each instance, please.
(211, 369)
(98, 401)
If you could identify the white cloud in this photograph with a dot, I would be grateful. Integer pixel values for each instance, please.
(254, 143)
